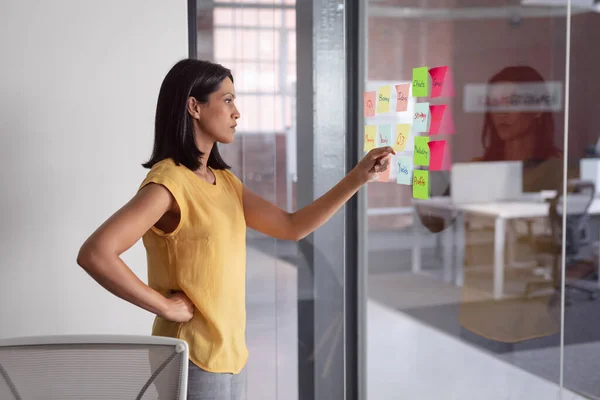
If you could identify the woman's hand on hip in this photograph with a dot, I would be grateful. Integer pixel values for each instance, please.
(179, 308)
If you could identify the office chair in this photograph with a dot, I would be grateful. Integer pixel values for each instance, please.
(86, 367)
(580, 195)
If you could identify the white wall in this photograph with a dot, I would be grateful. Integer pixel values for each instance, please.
(78, 88)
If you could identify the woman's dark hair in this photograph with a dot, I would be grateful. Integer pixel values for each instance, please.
(492, 144)
(173, 127)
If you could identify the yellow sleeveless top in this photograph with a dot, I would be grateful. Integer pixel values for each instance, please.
(205, 257)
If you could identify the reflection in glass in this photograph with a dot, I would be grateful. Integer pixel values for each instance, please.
(522, 135)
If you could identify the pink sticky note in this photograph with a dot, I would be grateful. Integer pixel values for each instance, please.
(402, 97)
(369, 99)
(442, 82)
(439, 156)
(442, 122)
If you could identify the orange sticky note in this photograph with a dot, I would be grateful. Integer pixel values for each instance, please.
(439, 156)
(369, 100)
(402, 97)
(442, 82)
(402, 132)
(385, 175)
(370, 138)
(442, 122)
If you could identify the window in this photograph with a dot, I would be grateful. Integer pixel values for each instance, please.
(257, 40)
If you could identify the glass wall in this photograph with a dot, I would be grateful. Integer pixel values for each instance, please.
(296, 292)
(581, 326)
(257, 41)
(469, 256)
(482, 258)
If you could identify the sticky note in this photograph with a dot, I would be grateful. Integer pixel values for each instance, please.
(384, 136)
(369, 100)
(385, 175)
(442, 122)
(402, 132)
(420, 82)
(421, 184)
(402, 97)
(383, 100)
(439, 156)
(393, 167)
(421, 151)
(370, 138)
(404, 170)
(442, 82)
(421, 117)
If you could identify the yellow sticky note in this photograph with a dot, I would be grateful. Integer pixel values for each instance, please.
(370, 137)
(383, 100)
(402, 132)
(421, 184)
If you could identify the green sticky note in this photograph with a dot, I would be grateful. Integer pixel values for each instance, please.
(421, 151)
(421, 184)
(420, 82)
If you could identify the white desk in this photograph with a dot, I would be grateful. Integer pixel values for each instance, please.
(454, 236)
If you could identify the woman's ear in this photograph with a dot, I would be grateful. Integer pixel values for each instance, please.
(193, 108)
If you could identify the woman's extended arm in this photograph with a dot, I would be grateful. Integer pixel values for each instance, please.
(265, 217)
(100, 254)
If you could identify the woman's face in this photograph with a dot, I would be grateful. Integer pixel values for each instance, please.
(218, 117)
(511, 125)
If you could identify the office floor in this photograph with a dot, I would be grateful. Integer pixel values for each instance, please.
(407, 358)
(436, 304)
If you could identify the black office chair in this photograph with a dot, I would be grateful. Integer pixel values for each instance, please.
(580, 195)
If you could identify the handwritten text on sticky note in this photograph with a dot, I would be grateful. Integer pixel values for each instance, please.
(404, 170)
(369, 100)
(420, 82)
(421, 117)
(402, 97)
(383, 100)
(384, 136)
(442, 84)
(370, 138)
(421, 151)
(421, 184)
(402, 132)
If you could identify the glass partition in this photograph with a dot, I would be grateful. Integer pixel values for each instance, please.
(291, 120)
(256, 40)
(582, 307)
(482, 258)
(465, 235)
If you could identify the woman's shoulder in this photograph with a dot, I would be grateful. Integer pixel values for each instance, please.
(165, 171)
(166, 167)
(226, 173)
(231, 180)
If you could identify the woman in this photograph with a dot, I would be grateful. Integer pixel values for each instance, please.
(192, 214)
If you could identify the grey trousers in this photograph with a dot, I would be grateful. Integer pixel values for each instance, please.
(203, 385)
